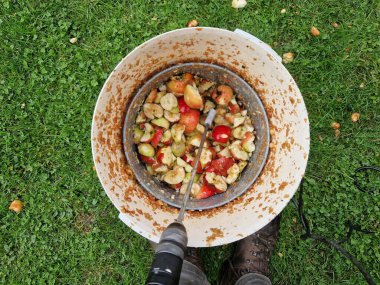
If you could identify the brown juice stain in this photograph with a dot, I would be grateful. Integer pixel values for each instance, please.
(216, 233)
(283, 185)
(286, 146)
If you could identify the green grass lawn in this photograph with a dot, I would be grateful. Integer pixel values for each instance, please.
(69, 233)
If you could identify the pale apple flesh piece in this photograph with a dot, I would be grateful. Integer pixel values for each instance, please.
(206, 157)
(146, 149)
(239, 132)
(167, 137)
(195, 140)
(168, 102)
(178, 148)
(137, 135)
(175, 176)
(177, 131)
(224, 153)
(172, 117)
(208, 106)
(192, 97)
(195, 188)
(141, 118)
(161, 168)
(237, 151)
(220, 183)
(247, 143)
(152, 110)
(167, 157)
(233, 173)
(216, 180)
(238, 120)
(161, 122)
(148, 133)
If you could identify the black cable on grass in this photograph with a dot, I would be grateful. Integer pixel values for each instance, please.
(336, 244)
(366, 170)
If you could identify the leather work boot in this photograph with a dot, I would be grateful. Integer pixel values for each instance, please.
(193, 257)
(251, 255)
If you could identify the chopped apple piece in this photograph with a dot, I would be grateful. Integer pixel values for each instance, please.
(137, 135)
(175, 110)
(224, 153)
(188, 158)
(210, 176)
(239, 132)
(169, 101)
(161, 122)
(176, 86)
(237, 151)
(148, 133)
(190, 119)
(159, 96)
(181, 162)
(205, 85)
(220, 120)
(200, 128)
(175, 176)
(179, 149)
(152, 96)
(242, 165)
(223, 95)
(150, 169)
(208, 106)
(192, 97)
(164, 155)
(221, 110)
(206, 157)
(153, 110)
(141, 118)
(230, 118)
(248, 124)
(188, 176)
(177, 131)
(238, 120)
(194, 189)
(146, 149)
(220, 184)
(218, 148)
(247, 142)
(234, 107)
(195, 140)
(188, 168)
(167, 137)
(233, 173)
(161, 168)
(217, 181)
(172, 117)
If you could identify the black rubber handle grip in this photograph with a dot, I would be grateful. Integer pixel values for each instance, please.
(165, 270)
